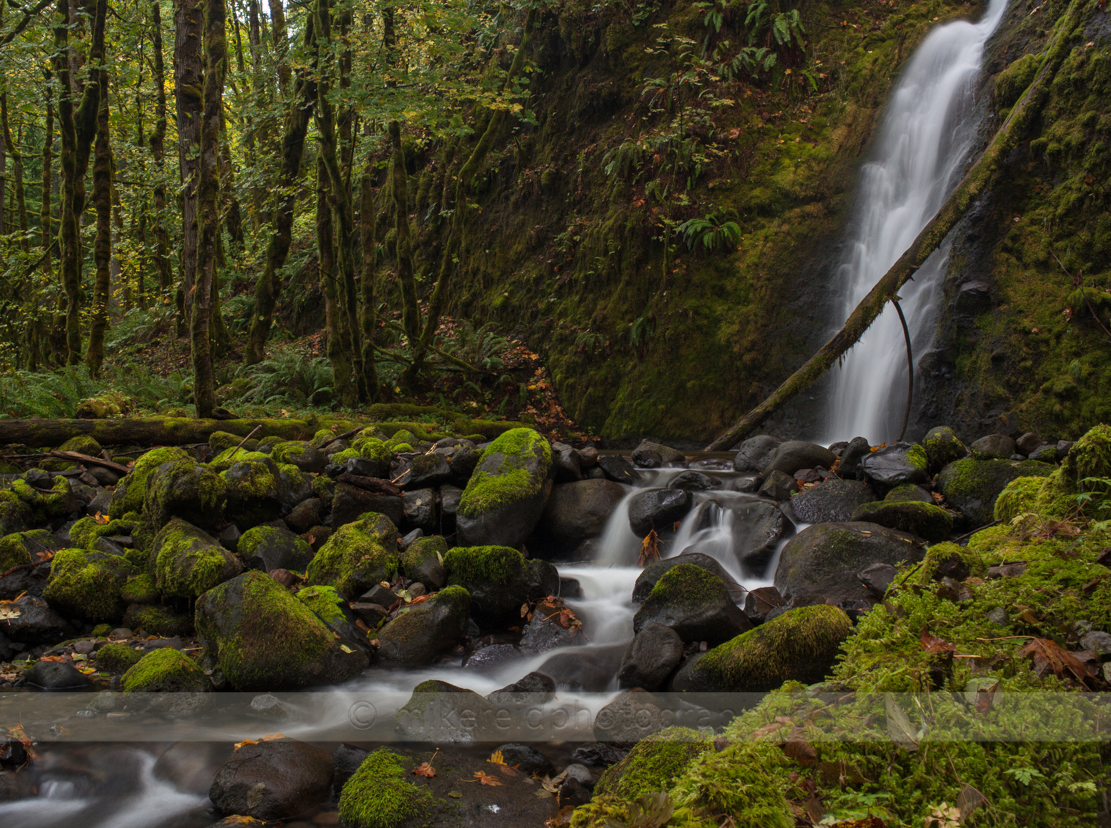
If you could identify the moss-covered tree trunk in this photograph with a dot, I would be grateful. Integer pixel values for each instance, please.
(333, 316)
(46, 219)
(188, 95)
(269, 285)
(157, 142)
(16, 155)
(281, 47)
(102, 244)
(368, 247)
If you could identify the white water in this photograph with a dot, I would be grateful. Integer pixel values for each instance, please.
(921, 152)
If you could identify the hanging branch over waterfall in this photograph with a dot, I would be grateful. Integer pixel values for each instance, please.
(975, 182)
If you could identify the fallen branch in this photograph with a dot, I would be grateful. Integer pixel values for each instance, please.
(86, 460)
(369, 484)
(975, 182)
(244, 440)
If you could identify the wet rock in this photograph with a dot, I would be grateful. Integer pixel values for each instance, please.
(441, 712)
(419, 509)
(599, 754)
(273, 780)
(896, 465)
(630, 717)
(878, 577)
(1029, 442)
(695, 604)
(545, 631)
(491, 656)
(655, 570)
(833, 500)
(694, 481)
(927, 521)
(499, 580)
(972, 486)
(567, 463)
(449, 507)
(351, 503)
(618, 469)
(652, 656)
(418, 635)
(346, 761)
(993, 447)
(779, 486)
(658, 509)
(31, 621)
(464, 460)
(793, 455)
(852, 456)
(188, 561)
(576, 512)
(423, 561)
(757, 528)
(754, 453)
(647, 451)
(271, 708)
(825, 558)
(57, 675)
(942, 447)
(589, 670)
(532, 689)
(526, 759)
(275, 547)
(305, 515)
(761, 601)
(428, 471)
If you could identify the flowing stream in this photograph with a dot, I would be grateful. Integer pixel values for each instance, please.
(922, 150)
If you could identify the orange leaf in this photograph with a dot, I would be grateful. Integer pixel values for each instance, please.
(1049, 655)
(486, 779)
(936, 646)
(424, 769)
(420, 599)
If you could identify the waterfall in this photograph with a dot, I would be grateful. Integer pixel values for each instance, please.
(921, 152)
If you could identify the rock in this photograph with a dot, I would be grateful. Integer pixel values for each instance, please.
(761, 601)
(932, 523)
(778, 486)
(545, 632)
(754, 453)
(306, 515)
(589, 670)
(165, 670)
(973, 298)
(567, 464)
(533, 689)
(463, 463)
(793, 455)
(419, 509)
(341, 617)
(825, 558)
(757, 526)
(188, 561)
(23, 548)
(1064, 448)
(56, 675)
(572, 794)
(799, 645)
(993, 447)
(259, 490)
(576, 512)
(618, 469)
(229, 537)
(1098, 641)
(581, 774)
(972, 486)
(346, 760)
(450, 496)
(423, 561)
(31, 621)
(499, 579)
(263, 638)
(419, 634)
(1044, 454)
(357, 556)
(526, 759)
(896, 465)
(441, 712)
(88, 585)
(305, 457)
(351, 503)
(694, 481)
(942, 447)
(652, 573)
(878, 577)
(507, 492)
(652, 656)
(183, 489)
(588, 457)
(599, 754)
(831, 501)
(853, 455)
(630, 717)
(427, 471)
(657, 509)
(695, 604)
(273, 780)
(276, 547)
(667, 455)
(908, 494)
(1029, 442)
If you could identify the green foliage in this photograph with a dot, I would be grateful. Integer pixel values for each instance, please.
(288, 378)
(712, 232)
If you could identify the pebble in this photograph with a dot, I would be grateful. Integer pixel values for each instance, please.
(120, 634)
(1097, 640)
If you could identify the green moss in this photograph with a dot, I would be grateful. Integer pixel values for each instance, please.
(341, 457)
(287, 452)
(153, 619)
(165, 670)
(46, 507)
(87, 584)
(916, 456)
(1018, 498)
(14, 513)
(117, 658)
(270, 443)
(227, 458)
(356, 556)
(371, 448)
(685, 585)
(132, 489)
(82, 444)
(19, 548)
(184, 489)
(189, 562)
(488, 565)
(1012, 81)
(325, 603)
(941, 556)
(942, 446)
(380, 795)
(422, 552)
(512, 481)
(139, 589)
(923, 519)
(101, 630)
(86, 531)
(221, 441)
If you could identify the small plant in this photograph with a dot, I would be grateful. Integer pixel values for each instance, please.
(712, 232)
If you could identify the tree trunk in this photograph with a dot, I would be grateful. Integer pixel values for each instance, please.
(281, 46)
(102, 246)
(189, 96)
(975, 182)
(46, 236)
(369, 246)
(333, 316)
(156, 431)
(17, 175)
(215, 49)
(158, 150)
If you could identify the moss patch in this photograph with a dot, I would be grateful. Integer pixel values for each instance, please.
(131, 490)
(117, 658)
(923, 519)
(380, 795)
(325, 602)
(356, 556)
(189, 562)
(165, 671)
(512, 468)
(88, 584)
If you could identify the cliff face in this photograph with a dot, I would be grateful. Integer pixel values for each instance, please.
(663, 234)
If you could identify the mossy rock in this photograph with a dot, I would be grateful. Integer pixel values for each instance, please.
(930, 522)
(85, 533)
(87, 584)
(132, 489)
(949, 560)
(507, 492)
(263, 638)
(419, 634)
(908, 494)
(973, 485)
(140, 589)
(498, 579)
(185, 490)
(357, 556)
(188, 561)
(301, 455)
(799, 645)
(423, 561)
(380, 795)
(20, 548)
(695, 604)
(116, 658)
(325, 603)
(321, 437)
(15, 515)
(221, 441)
(1087, 468)
(229, 457)
(165, 670)
(46, 507)
(154, 619)
(82, 444)
(1014, 80)
(255, 491)
(1019, 497)
(942, 447)
(402, 437)
(277, 548)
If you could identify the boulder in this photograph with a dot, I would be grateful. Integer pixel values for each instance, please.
(1029, 442)
(327, 605)
(499, 579)
(943, 447)
(185, 490)
(695, 604)
(652, 656)
(658, 509)
(273, 780)
(831, 501)
(302, 455)
(259, 490)
(589, 669)
(507, 492)
(88, 585)
(666, 455)
(576, 512)
(908, 493)
(305, 515)
(757, 527)
(694, 481)
(428, 471)
(526, 759)
(760, 602)
(165, 670)
(878, 577)
(779, 486)
(793, 455)
(263, 638)
(567, 464)
(441, 712)
(799, 645)
(755, 453)
(23, 548)
(993, 447)
(423, 561)
(30, 620)
(825, 558)
(188, 561)
(275, 547)
(973, 485)
(418, 508)
(419, 634)
(896, 465)
(380, 794)
(130, 494)
(618, 469)
(652, 573)
(848, 465)
(630, 717)
(932, 523)
(56, 675)
(356, 556)
(350, 503)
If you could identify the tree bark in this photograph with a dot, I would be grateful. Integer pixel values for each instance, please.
(16, 155)
(369, 247)
(333, 316)
(975, 182)
(46, 236)
(281, 45)
(153, 431)
(157, 142)
(102, 245)
(189, 96)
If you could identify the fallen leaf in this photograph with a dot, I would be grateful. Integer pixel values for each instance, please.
(801, 751)
(649, 549)
(936, 646)
(1049, 655)
(899, 727)
(424, 769)
(497, 758)
(486, 779)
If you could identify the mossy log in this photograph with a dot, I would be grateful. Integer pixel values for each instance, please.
(974, 184)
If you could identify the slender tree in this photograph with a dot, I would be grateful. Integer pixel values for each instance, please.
(157, 142)
(189, 97)
(102, 245)
(16, 155)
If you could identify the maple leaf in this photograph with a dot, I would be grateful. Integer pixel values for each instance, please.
(936, 646)
(1048, 655)
(486, 779)
(649, 549)
(424, 769)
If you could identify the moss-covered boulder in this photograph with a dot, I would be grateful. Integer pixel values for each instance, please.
(499, 579)
(799, 645)
(421, 633)
(186, 490)
(299, 454)
(22, 548)
(380, 794)
(331, 608)
(695, 604)
(1085, 471)
(85, 533)
(275, 547)
(255, 490)
(140, 589)
(131, 491)
(188, 561)
(263, 638)
(357, 556)
(896, 465)
(156, 619)
(165, 670)
(277, 779)
(1018, 497)
(116, 658)
(948, 560)
(15, 515)
(925, 520)
(441, 712)
(973, 485)
(824, 559)
(47, 505)
(423, 561)
(221, 441)
(507, 491)
(88, 584)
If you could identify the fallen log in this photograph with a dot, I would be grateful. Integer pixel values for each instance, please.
(156, 431)
(972, 186)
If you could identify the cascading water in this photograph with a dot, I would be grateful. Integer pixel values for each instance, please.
(922, 150)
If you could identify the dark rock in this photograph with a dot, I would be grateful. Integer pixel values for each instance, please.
(925, 520)
(441, 712)
(618, 469)
(833, 500)
(576, 512)
(419, 509)
(581, 774)
(428, 471)
(878, 577)
(277, 779)
(588, 457)
(532, 689)
(35, 623)
(850, 459)
(825, 558)
(778, 485)
(588, 670)
(761, 601)
(544, 632)
(1044, 454)
(449, 506)
(364, 467)
(409, 539)
(693, 481)
(276, 547)
(942, 447)
(695, 604)
(652, 656)
(1063, 448)
(570, 588)
(972, 486)
(499, 580)
(57, 675)
(657, 509)
(600, 754)
(993, 447)
(419, 635)
(756, 527)
(526, 759)
(351, 502)
(655, 570)
(305, 515)
(463, 462)
(629, 718)
(567, 464)
(793, 455)
(1028, 442)
(647, 451)
(572, 794)
(371, 613)
(754, 453)
(896, 465)
(423, 561)
(973, 298)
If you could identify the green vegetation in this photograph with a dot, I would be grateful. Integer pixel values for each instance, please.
(380, 795)
(88, 584)
(356, 556)
(165, 670)
(117, 658)
(512, 468)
